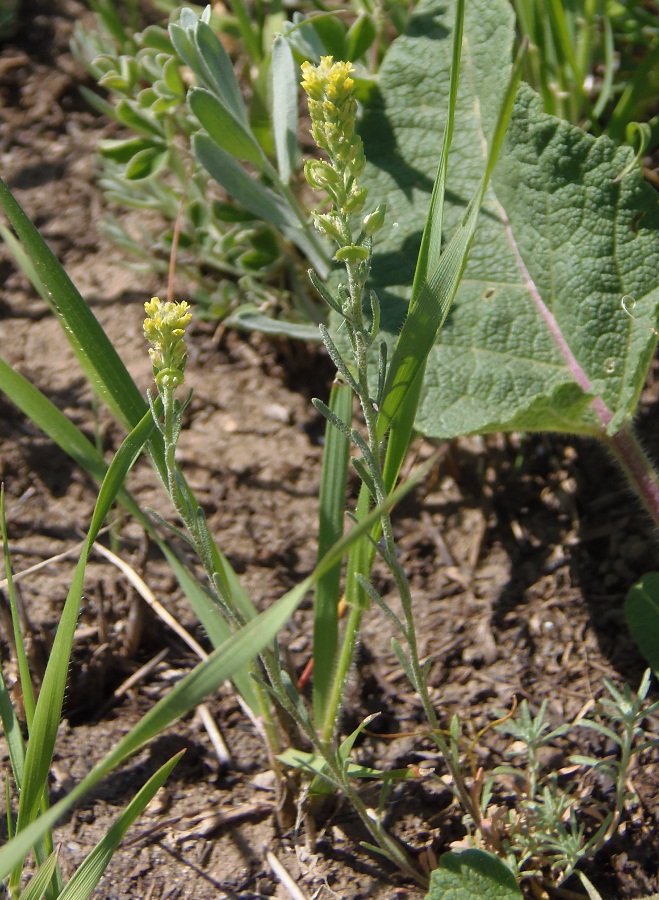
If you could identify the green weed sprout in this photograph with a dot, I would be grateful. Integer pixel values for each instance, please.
(556, 824)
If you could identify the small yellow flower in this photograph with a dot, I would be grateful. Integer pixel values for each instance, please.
(333, 110)
(164, 329)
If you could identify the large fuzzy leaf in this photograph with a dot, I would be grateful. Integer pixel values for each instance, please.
(538, 325)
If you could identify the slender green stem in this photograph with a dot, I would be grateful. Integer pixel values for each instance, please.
(170, 429)
(637, 466)
(346, 656)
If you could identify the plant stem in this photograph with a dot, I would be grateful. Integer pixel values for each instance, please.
(637, 466)
(343, 668)
(170, 428)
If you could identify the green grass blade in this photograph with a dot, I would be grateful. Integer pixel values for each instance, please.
(12, 732)
(21, 656)
(435, 296)
(39, 883)
(94, 351)
(235, 654)
(332, 510)
(427, 262)
(89, 873)
(223, 663)
(432, 302)
(67, 436)
(49, 706)
(431, 242)
(213, 623)
(51, 420)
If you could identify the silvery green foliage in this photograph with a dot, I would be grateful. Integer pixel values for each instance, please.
(165, 86)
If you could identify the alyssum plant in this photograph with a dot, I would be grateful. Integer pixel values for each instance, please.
(388, 395)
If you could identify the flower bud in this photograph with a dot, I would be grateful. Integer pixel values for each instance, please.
(374, 221)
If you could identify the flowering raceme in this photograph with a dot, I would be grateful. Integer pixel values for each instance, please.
(333, 110)
(164, 329)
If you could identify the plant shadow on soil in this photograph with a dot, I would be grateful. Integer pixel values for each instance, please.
(519, 549)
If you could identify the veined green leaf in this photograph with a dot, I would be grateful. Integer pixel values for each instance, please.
(538, 327)
(38, 884)
(473, 873)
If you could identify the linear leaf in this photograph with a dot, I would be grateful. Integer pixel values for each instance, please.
(284, 107)
(98, 358)
(89, 873)
(49, 705)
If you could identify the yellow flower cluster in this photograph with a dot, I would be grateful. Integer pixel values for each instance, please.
(333, 111)
(164, 329)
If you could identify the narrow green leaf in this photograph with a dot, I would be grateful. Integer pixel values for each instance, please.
(12, 731)
(431, 300)
(250, 319)
(360, 37)
(212, 622)
(536, 329)
(253, 195)
(39, 883)
(49, 705)
(25, 677)
(230, 657)
(333, 482)
(256, 197)
(51, 420)
(57, 426)
(89, 873)
(221, 76)
(98, 358)
(642, 614)
(285, 77)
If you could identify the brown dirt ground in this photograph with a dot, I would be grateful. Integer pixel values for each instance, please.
(520, 550)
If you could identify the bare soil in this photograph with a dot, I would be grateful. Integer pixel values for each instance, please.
(520, 550)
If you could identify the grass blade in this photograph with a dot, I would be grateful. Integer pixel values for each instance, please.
(332, 509)
(95, 353)
(232, 656)
(49, 706)
(40, 882)
(89, 873)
